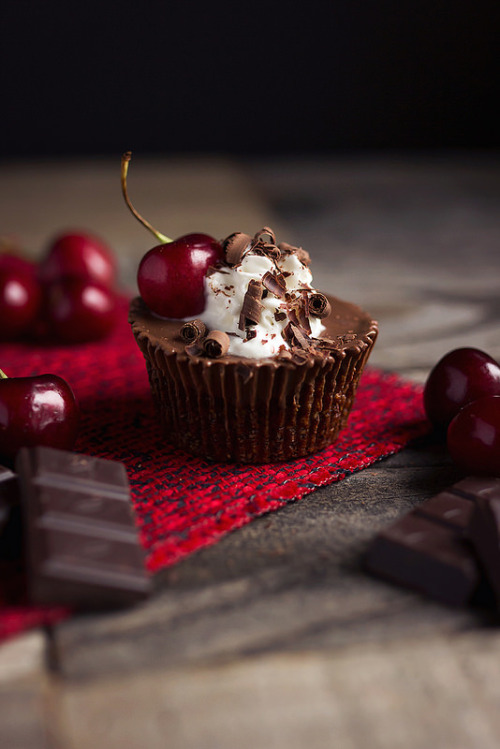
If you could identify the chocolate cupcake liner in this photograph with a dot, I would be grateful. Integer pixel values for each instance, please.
(255, 411)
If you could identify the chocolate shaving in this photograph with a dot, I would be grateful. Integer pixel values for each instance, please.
(235, 246)
(327, 344)
(275, 283)
(294, 336)
(265, 231)
(193, 330)
(216, 344)
(297, 316)
(251, 308)
(284, 354)
(279, 316)
(251, 334)
(319, 306)
(299, 356)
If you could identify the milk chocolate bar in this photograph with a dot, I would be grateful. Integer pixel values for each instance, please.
(426, 550)
(82, 547)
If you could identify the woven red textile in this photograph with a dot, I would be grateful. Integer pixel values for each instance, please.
(184, 503)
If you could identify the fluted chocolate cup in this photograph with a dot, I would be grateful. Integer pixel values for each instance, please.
(242, 410)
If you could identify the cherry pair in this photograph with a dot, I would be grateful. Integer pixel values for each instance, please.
(462, 396)
(68, 296)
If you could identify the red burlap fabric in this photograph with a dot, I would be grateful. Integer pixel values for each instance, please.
(183, 503)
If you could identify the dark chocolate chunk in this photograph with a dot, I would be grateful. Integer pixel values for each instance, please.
(252, 307)
(235, 246)
(426, 550)
(216, 344)
(192, 330)
(82, 546)
(9, 494)
(319, 306)
(11, 534)
(484, 528)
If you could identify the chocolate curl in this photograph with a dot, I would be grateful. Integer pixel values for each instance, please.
(275, 283)
(263, 232)
(235, 246)
(251, 308)
(294, 336)
(319, 306)
(269, 250)
(216, 344)
(193, 330)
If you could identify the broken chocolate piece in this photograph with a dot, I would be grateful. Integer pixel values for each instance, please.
(10, 516)
(235, 246)
(82, 546)
(9, 493)
(319, 306)
(484, 528)
(275, 283)
(426, 550)
(216, 344)
(252, 307)
(192, 330)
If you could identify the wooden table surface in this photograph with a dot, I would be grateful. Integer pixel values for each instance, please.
(275, 637)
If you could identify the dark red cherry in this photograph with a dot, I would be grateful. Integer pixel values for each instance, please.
(78, 311)
(171, 276)
(40, 410)
(460, 377)
(78, 255)
(474, 437)
(19, 298)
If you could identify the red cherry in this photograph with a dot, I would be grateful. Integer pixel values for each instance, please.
(474, 437)
(19, 298)
(40, 410)
(78, 255)
(460, 377)
(171, 276)
(78, 311)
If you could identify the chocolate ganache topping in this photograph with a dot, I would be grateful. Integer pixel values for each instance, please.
(261, 305)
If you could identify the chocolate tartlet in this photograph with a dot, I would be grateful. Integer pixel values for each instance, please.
(234, 408)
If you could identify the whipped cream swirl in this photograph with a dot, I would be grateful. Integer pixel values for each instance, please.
(226, 287)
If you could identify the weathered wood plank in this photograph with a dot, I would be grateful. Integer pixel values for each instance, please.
(416, 694)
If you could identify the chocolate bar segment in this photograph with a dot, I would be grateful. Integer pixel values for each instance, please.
(484, 529)
(10, 516)
(426, 551)
(82, 546)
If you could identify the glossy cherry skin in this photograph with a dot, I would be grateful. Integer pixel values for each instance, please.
(171, 276)
(460, 377)
(40, 410)
(473, 437)
(20, 298)
(78, 255)
(79, 311)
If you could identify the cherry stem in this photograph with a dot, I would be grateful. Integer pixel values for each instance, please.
(125, 162)
(3, 376)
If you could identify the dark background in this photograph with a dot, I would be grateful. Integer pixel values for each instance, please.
(247, 79)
